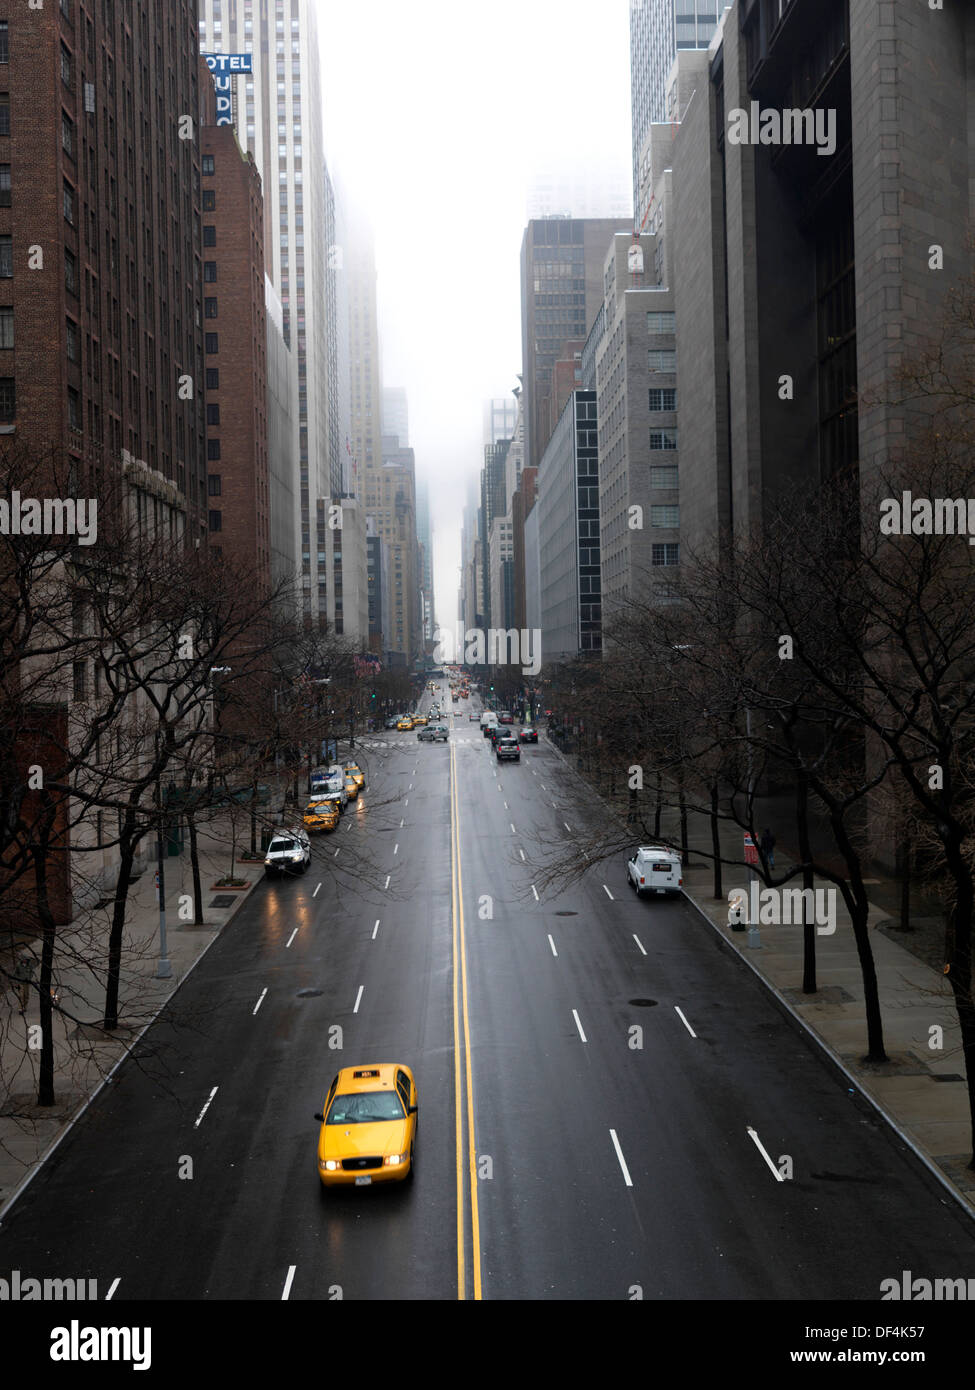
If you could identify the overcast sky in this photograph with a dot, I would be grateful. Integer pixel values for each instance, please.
(437, 115)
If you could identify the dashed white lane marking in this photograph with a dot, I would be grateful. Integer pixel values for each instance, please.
(315, 894)
(619, 1154)
(761, 1149)
(506, 805)
(684, 1021)
(396, 848)
(512, 824)
(567, 826)
(579, 1026)
(115, 1284)
(522, 853)
(639, 943)
(375, 929)
(554, 806)
(552, 944)
(259, 1002)
(608, 894)
(387, 883)
(287, 1282)
(358, 997)
(406, 802)
(335, 855)
(206, 1107)
(535, 891)
(291, 938)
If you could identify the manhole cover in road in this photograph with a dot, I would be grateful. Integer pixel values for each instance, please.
(307, 993)
(223, 900)
(643, 1003)
(567, 914)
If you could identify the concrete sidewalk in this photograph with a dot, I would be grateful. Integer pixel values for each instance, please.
(920, 1090)
(84, 1054)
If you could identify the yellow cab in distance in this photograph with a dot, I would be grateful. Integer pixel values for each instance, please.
(369, 1123)
(404, 722)
(321, 815)
(351, 786)
(419, 719)
(354, 770)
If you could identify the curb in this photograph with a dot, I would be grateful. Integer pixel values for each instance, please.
(6, 1206)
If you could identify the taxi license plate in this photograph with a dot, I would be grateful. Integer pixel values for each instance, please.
(363, 1182)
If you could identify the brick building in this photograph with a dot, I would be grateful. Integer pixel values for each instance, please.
(235, 348)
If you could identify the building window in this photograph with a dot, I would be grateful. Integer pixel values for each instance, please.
(664, 476)
(213, 378)
(65, 66)
(72, 340)
(213, 448)
(210, 308)
(6, 327)
(212, 342)
(663, 321)
(216, 521)
(79, 673)
(665, 516)
(4, 113)
(6, 257)
(209, 236)
(210, 272)
(213, 484)
(213, 414)
(662, 361)
(4, 185)
(209, 199)
(663, 398)
(665, 555)
(70, 272)
(207, 164)
(69, 204)
(74, 409)
(4, 41)
(67, 133)
(663, 439)
(8, 400)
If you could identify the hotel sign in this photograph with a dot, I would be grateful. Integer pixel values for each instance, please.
(225, 67)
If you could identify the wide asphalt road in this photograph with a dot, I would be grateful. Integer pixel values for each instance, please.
(607, 1098)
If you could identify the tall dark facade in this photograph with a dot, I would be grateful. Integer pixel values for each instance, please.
(561, 291)
(101, 282)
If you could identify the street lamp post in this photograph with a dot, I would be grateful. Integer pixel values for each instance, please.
(164, 968)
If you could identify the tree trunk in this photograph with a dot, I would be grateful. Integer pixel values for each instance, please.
(809, 984)
(195, 867)
(42, 850)
(905, 868)
(128, 843)
(716, 842)
(659, 807)
(254, 817)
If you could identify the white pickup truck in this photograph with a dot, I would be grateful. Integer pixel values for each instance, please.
(656, 870)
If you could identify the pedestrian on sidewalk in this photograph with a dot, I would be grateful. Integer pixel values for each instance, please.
(767, 846)
(23, 974)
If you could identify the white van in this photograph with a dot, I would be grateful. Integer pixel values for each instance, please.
(656, 870)
(489, 720)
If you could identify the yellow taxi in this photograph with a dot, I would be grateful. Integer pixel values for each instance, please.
(419, 719)
(404, 722)
(369, 1123)
(351, 787)
(354, 770)
(321, 815)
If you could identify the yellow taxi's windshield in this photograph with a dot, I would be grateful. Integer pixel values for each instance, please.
(365, 1107)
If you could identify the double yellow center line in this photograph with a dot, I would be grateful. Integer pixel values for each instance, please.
(460, 998)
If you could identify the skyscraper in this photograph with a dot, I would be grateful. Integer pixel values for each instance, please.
(658, 28)
(277, 112)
